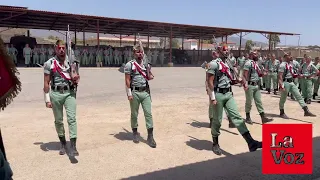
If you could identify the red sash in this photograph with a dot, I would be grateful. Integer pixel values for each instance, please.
(225, 70)
(289, 67)
(140, 70)
(255, 66)
(56, 68)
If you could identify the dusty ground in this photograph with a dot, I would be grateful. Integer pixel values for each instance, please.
(106, 151)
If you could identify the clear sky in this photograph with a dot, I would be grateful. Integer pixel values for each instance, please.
(274, 15)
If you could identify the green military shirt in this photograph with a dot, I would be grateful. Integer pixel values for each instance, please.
(27, 51)
(13, 51)
(137, 80)
(272, 67)
(252, 73)
(283, 69)
(296, 65)
(233, 61)
(221, 80)
(241, 62)
(308, 70)
(57, 80)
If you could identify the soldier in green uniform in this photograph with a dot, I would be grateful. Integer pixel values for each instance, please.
(272, 67)
(43, 54)
(240, 64)
(308, 73)
(91, 56)
(137, 75)
(261, 64)
(233, 60)
(50, 52)
(219, 81)
(110, 50)
(106, 56)
(316, 78)
(251, 75)
(27, 54)
(14, 53)
(36, 52)
(57, 78)
(99, 57)
(286, 83)
(85, 60)
(77, 53)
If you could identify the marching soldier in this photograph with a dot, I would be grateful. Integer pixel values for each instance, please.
(36, 52)
(27, 54)
(43, 54)
(57, 78)
(14, 53)
(251, 75)
(308, 73)
(286, 84)
(138, 92)
(316, 78)
(272, 67)
(219, 81)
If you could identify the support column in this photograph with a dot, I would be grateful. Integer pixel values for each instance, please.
(240, 43)
(98, 33)
(201, 58)
(170, 63)
(120, 40)
(198, 49)
(148, 39)
(135, 38)
(182, 43)
(75, 35)
(270, 42)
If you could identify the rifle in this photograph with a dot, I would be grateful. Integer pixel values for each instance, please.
(233, 70)
(74, 64)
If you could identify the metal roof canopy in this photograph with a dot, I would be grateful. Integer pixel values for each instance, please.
(21, 17)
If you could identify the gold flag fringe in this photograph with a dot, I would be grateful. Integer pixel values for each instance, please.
(8, 97)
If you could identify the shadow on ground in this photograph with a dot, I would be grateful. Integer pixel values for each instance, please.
(55, 146)
(127, 136)
(277, 115)
(241, 166)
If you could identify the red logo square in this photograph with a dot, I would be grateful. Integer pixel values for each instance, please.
(287, 149)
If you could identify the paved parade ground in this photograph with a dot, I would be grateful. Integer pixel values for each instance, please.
(180, 111)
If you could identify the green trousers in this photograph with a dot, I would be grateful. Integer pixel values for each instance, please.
(68, 100)
(293, 89)
(272, 78)
(227, 102)
(315, 85)
(42, 58)
(36, 59)
(253, 92)
(306, 88)
(144, 99)
(211, 110)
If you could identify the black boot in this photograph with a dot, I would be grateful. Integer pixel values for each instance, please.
(275, 91)
(268, 89)
(210, 123)
(252, 144)
(308, 101)
(231, 124)
(73, 149)
(307, 112)
(135, 135)
(150, 139)
(314, 96)
(63, 145)
(215, 146)
(264, 119)
(292, 97)
(248, 118)
(283, 115)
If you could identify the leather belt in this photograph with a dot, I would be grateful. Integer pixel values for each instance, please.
(139, 89)
(223, 90)
(252, 83)
(289, 80)
(61, 88)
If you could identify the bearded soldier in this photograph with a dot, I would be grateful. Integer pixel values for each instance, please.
(57, 76)
(219, 81)
(10, 87)
(251, 75)
(308, 72)
(272, 67)
(286, 84)
(137, 75)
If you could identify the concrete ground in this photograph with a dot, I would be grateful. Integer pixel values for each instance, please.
(180, 111)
